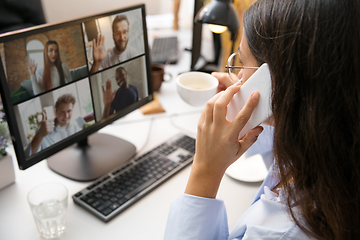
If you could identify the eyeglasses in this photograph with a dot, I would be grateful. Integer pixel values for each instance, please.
(233, 70)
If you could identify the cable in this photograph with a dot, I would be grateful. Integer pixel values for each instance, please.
(170, 117)
(158, 116)
(147, 138)
(187, 132)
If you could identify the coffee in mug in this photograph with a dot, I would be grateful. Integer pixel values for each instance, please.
(197, 84)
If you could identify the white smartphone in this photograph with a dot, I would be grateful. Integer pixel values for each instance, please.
(260, 81)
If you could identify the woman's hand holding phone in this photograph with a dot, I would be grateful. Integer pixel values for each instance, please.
(217, 143)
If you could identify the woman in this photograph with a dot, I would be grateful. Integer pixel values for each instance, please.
(313, 188)
(54, 74)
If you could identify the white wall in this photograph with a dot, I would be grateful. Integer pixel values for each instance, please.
(61, 10)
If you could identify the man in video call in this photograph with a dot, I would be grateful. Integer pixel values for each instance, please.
(119, 53)
(124, 96)
(54, 130)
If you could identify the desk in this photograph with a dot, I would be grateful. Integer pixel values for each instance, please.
(146, 219)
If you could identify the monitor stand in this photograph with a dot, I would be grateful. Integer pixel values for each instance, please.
(92, 157)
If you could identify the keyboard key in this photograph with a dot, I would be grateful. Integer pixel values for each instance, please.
(140, 188)
(107, 211)
(103, 205)
(114, 206)
(97, 203)
(78, 194)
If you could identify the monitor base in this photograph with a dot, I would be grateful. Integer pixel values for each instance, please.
(91, 158)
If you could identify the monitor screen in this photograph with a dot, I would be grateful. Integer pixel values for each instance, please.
(61, 83)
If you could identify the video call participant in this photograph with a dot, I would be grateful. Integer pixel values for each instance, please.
(120, 52)
(124, 96)
(53, 130)
(55, 72)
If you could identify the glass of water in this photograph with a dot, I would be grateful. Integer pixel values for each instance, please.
(48, 203)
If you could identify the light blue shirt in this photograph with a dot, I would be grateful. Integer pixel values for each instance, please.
(198, 218)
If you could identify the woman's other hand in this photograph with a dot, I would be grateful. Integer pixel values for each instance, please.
(217, 143)
(224, 80)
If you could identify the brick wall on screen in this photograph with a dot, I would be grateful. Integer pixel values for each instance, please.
(71, 47)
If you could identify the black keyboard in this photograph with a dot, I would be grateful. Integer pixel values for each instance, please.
(164, 50)
(114, 192)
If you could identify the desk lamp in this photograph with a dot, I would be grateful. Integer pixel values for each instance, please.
(220, 15)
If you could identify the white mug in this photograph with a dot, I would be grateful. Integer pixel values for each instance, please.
(196, 88)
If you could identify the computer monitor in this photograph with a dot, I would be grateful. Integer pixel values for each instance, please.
(58, 91)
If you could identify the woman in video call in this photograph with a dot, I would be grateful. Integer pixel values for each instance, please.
(55, 72)
(312, 190)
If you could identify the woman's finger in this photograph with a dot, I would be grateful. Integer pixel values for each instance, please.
(240, 76)
(221, 104)
(249, 139)
(245, 113)
(209, 108)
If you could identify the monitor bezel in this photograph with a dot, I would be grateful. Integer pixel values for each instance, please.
(24, 162)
